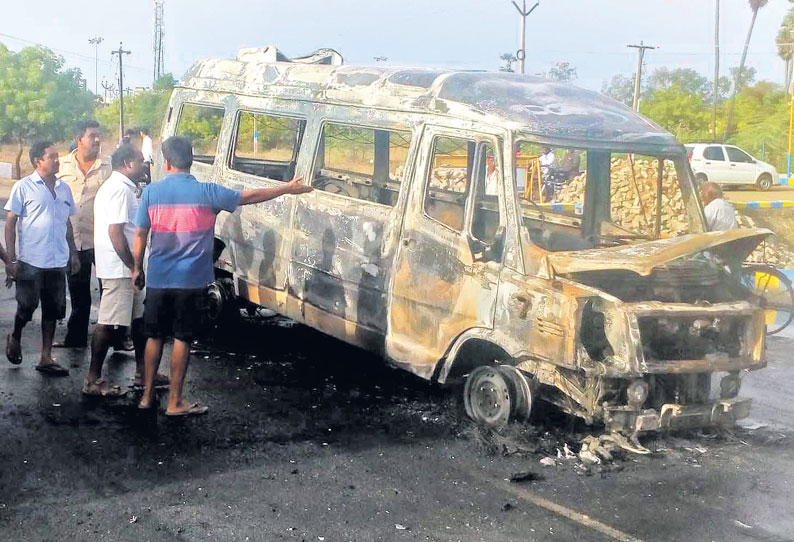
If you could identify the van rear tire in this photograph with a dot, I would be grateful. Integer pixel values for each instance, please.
(700, 180)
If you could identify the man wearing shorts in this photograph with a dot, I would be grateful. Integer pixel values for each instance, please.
(38, 212)
(121, 304)
(180, 211)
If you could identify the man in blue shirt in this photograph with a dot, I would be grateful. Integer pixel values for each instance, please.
(179, 212)
(38, 212)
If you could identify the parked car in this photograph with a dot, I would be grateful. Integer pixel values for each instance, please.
(729, 165)
(417, 243)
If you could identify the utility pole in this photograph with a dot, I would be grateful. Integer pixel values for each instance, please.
(635, 103)
(716, 69)
(158, 41)
(108, 88)
(121, 52)
(521, 54)
(95, 42)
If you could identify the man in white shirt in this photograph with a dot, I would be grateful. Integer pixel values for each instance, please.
(491, 177)
(547, 161)
(720, 215)
(147, 149)
(120, 305)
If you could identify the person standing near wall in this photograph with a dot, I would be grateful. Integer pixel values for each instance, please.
(83, 171)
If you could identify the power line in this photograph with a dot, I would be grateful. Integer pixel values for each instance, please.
(66, 52)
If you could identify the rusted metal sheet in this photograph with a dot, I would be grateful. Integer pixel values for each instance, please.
(644, 257)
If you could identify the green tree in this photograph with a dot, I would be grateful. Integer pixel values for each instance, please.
(508, 59)
(562, 71)
(785, 44)
(620, 88)
(687, 79)
(39, 99)
(683, 113)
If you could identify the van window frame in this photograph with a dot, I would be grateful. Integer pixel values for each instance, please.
(209, 105)
(480, 139)
(391, 128)
(235, 132)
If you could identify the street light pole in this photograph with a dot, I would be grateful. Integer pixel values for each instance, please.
(95, 42)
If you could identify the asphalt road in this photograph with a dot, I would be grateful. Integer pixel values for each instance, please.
(309, 439)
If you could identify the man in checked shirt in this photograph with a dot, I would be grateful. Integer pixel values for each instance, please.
(84, 171)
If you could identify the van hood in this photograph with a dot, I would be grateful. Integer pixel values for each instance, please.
(643, 258)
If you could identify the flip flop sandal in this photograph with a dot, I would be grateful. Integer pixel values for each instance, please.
(14, 355)
(52, 369)
(195, 409)
(101, 388)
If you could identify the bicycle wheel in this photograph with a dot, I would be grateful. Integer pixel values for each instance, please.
(776, 290)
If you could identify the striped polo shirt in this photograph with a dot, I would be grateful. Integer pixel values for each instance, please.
(180, 213)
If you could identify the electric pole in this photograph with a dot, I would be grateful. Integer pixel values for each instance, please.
(716, 69)
(108, 88)
(521, 54)
(158, 41)
(121, 52)
(635, 103)
(95, 42)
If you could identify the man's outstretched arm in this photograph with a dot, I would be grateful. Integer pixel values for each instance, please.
(295, 186)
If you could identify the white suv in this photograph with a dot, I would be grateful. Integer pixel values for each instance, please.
(729, 165)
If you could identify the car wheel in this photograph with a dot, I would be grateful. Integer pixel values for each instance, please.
(764, 182)
(700, 180)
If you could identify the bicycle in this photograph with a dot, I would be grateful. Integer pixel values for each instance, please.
(775, 289)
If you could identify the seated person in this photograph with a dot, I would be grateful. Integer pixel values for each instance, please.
(570, 164)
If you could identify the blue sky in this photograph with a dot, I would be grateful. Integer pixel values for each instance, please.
(468, 34)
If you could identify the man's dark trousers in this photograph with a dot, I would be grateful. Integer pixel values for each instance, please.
(80, 295)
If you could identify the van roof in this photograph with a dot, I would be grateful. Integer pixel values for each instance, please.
(554, 111)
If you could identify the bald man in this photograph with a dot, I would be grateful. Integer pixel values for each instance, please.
(720, 215)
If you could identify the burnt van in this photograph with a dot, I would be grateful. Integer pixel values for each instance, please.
(543, 241)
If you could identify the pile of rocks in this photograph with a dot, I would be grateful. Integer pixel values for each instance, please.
(770, 251)
(449, 178)
(633, 196)
(634, 206)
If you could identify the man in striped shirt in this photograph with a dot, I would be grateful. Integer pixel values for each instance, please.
(179, 212)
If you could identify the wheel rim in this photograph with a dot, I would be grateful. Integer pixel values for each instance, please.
(765, 183)
(487, 397)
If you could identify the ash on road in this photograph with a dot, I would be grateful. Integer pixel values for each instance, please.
(309, 439)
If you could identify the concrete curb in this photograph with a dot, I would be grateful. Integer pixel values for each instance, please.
(786, 182)
(780, 204)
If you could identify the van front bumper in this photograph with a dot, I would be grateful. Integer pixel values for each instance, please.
(723, 412)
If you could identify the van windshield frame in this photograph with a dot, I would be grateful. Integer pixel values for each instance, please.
(588, 222)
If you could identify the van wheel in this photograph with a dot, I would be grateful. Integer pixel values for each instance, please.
(764, 182)
(487, 397)
(520, 391)
(700, 180)
(222, 306)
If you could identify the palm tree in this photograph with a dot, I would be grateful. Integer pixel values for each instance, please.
(755, 5)
(785, 44)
